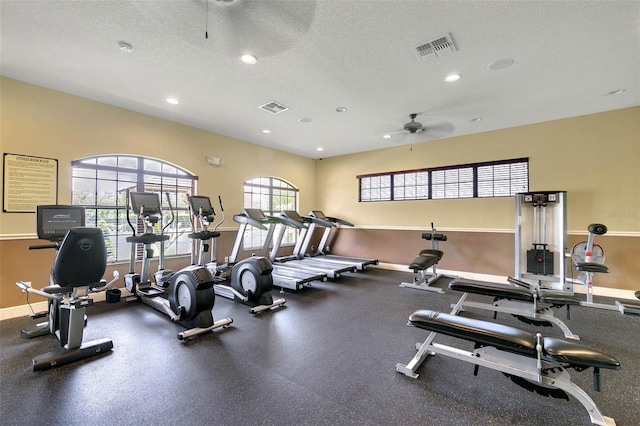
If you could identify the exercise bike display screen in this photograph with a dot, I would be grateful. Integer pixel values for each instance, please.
(201, 204)
(53, 222)
(147, 202)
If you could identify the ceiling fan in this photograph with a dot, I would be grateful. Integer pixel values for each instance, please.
(263, 28)
(437, 130)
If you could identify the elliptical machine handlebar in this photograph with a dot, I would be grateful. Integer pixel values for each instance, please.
(173, 216)
(215, 227)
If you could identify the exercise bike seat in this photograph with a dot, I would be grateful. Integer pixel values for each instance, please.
(426, 259)
(511, 339)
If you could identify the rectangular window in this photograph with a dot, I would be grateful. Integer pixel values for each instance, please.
(491, 179)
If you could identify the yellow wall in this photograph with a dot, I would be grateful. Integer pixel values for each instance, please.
(46, 123)
(595, 158)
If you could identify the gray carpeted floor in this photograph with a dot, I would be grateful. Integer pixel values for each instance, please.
(328, 357)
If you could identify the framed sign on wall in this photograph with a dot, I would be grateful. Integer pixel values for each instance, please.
(28, 182)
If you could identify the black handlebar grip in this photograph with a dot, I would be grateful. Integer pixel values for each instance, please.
(44, 246)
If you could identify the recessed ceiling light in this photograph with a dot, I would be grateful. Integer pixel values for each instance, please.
(452, 77)
(500, 64)
(616, 92)
(172, 101)
(266, 131)
(341, 109)
(319, 148)
(476, 119)
(125, 47)
(249, 59)
(386, 137)
(304, 120)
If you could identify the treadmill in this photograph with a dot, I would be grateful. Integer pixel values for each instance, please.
(360, 262)
(298, 259)
(282, 277)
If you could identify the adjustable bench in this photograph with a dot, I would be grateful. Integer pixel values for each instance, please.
(532, 361)
(427, 258)
(529, 305)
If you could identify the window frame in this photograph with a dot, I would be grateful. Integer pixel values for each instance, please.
(108, 210)
(445, 188)
(263, 199)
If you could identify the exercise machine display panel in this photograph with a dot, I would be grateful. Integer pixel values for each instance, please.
(53, 221)
(201, 205)
(147, 202)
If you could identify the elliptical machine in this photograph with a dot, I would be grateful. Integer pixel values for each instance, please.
(80, 262)
(248, 281)
(190, 298)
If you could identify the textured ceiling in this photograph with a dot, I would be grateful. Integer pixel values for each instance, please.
(315, 56)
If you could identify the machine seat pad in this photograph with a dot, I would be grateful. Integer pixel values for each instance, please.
(510, 292)
(426, 259)
(511, 339)
(559, 299)
(436, 237)
(492, 289)
(481, 332)
(576, 354)
(591, 267)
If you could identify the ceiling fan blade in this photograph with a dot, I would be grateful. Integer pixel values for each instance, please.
(264, 28)
(261, 28)
(438, 130)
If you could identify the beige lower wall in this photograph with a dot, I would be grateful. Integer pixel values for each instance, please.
(490, 253)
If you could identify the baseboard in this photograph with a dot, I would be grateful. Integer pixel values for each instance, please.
(25, 310)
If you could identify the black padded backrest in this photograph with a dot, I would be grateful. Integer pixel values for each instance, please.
(81, 259)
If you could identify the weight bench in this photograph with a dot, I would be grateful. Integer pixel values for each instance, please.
(530, 360)
(532, 306)
(427, 258)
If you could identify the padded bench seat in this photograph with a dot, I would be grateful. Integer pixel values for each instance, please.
(592, 267)
(508, 292)
(512, 339)
(426, 259)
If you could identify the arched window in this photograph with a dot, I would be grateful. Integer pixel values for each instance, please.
(100, 184)
(271, 195)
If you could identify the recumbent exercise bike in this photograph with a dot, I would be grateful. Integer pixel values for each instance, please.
(80, 262)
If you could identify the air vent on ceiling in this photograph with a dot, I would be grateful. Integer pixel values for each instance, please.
(435, 48)
(274, 107)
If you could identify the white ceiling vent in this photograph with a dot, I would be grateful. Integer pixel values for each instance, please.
(435, 48)
(274, 107)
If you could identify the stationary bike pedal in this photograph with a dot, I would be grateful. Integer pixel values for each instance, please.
(37, 315)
